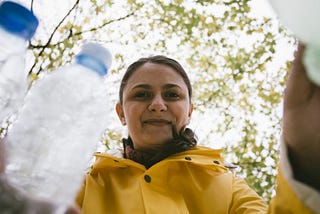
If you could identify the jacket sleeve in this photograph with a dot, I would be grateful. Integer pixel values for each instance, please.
(292, 196)
(80, 195)
(245, 200)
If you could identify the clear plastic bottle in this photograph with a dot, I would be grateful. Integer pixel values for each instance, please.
(63, 118)
(17, 26)
(301, 18)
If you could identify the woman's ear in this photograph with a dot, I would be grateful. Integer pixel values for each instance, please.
(121, 114)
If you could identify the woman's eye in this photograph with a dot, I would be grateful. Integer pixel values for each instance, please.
(172, 95)
(142, 94)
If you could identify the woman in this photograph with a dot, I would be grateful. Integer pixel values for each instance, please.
(162, 170)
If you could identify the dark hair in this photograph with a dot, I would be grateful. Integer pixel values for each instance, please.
(183, 139)
(158, 59)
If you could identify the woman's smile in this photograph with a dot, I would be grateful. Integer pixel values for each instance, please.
(157, 122)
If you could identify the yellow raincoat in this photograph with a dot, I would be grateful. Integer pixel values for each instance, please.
(194, 181)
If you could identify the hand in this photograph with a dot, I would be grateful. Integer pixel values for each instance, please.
(74, 209)
(2, 156)
(12, 200)
(36, 206)
(301, 123)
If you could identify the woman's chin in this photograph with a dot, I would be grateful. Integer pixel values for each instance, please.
(153, 144)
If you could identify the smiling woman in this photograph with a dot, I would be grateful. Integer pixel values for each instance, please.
(152, 103)
(161, 169)
(155, 104)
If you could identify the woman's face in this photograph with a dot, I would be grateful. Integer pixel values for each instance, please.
(154, 99)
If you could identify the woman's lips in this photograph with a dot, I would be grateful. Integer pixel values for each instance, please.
(157, 122)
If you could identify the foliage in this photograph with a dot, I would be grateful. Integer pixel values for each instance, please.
(228, 52)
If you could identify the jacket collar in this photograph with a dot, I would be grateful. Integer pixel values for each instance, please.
(199, 155)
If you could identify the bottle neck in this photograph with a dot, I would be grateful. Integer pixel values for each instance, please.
(11, 44)
(91, 63)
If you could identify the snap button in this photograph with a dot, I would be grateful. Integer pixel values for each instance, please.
(216, 162)
(147, 178)
(187, 158)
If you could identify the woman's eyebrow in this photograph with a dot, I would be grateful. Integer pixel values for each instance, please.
(168, 86)
(147, 86)
(144, 86)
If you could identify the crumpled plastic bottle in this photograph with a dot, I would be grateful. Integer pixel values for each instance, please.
(302, 18)
(51, 143)
(17, 27)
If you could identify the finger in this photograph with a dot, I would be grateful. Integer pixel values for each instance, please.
(299, 88)
(74, 209)
(2, 156)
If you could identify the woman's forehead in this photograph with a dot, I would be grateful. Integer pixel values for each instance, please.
(155, 74)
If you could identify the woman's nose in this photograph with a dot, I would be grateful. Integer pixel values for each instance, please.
(157, 104)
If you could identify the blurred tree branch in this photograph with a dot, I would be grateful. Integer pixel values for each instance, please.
(53, 33)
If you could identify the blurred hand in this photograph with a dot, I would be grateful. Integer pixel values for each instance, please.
(2, 156)
(301, 123)
(74, 209)
(13, 201)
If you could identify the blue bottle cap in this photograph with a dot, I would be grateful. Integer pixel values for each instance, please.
(18, 20)
(95, 57)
